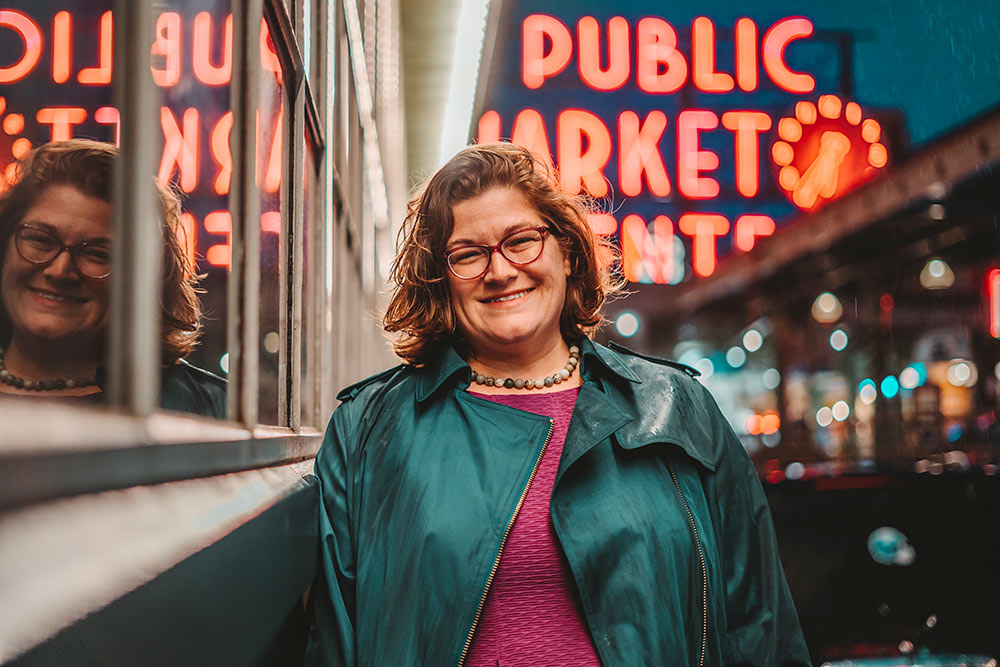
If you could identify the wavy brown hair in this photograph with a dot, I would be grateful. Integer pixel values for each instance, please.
(420, 317)
(87, 166)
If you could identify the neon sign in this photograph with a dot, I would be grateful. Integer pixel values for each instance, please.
(70, 57)
(688, 154)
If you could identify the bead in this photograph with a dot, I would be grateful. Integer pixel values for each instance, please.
(529, 384)
(27, 384)
(490, 381)
(549, 381)
(4, 374)
(60, 384)
(70, 384)
(564, 374)
(480, 378)
(508, 383)
(539, 382)
(574, 350)
(518, 383)
(19, 383)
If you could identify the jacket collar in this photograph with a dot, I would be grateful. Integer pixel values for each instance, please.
(596, 360)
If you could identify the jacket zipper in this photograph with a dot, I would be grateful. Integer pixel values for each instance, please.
(704, 571)
(503, 541)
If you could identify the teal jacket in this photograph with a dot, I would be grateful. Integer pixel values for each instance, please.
(655, 505)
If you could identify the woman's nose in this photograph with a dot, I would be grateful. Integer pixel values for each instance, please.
(500, 268)
(62, 266)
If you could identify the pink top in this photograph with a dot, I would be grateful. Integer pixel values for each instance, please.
(532, 615)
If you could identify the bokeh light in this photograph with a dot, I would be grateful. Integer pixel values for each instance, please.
(627, 324)
(838, 340)
(736, 357)
(752, 340)
(889, 386)
(772, 378)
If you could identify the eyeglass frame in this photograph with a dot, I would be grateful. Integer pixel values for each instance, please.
(71, 247)
(498, 247)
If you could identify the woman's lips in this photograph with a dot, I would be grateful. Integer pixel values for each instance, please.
(507, 298)
(56, 297)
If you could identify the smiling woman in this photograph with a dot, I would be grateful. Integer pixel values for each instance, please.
(55, 273)
(517, 494)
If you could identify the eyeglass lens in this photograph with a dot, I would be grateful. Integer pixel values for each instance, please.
(519, 248)
(39, 246)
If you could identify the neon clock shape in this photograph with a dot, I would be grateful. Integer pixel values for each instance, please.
(826, 150)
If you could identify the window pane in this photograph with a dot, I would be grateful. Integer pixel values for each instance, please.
(269, 176)
(63, 91)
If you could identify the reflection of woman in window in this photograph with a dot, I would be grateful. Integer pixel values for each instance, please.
(55, 268)
(517, 494)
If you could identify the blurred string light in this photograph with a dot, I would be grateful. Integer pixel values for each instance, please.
(867, 391)
(838, 340)
(840, 410)
(772, 378)
(771, 439)
(627, 324)
(795, 470)
(752, 340)
(913, 376)
(736, 357)
(705, 367)
(824, 416)
(224, 363)
(827, 308)
(888, 546)
(962, 373)
(936, 274)
(889, 386)
(470, 32)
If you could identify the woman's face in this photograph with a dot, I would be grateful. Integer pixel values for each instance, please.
(512, 308)
(53, 303)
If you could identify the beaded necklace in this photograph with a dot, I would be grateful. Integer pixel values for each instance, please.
(520, 383)
(42, 385)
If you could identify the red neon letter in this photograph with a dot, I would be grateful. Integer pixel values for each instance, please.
(993, 290)
(529, 131)
(639, 152)
(272, 171)
(577, 166)
(648, 258)
(187, 235)
(773, 51)
(167, 45)
(220, 151)
(536, 65)
(204, 70)
(62, 120)
(703, 59)
(62, 46)
(270, 222)
(101, 74)
(749, 228)
(589, 46)
(31, 38)
(602, 224)
(268, 56)
(746, 54)
(747, 125)
(110, 116)
(691, 161)
(489, 128)
(703, 228)
(180, 148)
(219, 222)
(655, 45)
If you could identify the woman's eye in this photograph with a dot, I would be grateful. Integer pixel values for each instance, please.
(466, 256)
(97, 254)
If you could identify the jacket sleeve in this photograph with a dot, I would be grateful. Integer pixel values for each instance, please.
(332, 631)
(762, 626)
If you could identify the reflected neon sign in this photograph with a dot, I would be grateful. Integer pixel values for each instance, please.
(195, 141)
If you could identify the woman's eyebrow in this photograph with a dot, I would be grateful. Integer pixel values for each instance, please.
(51, 229)
(508, 230)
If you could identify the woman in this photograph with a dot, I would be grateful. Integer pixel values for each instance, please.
(55, 267)
(515, 494)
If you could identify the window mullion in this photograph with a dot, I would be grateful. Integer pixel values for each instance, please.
(244, 207)
(134, 345)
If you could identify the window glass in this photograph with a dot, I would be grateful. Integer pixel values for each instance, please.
(270, 171)
(57, 77)
(310, 234)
